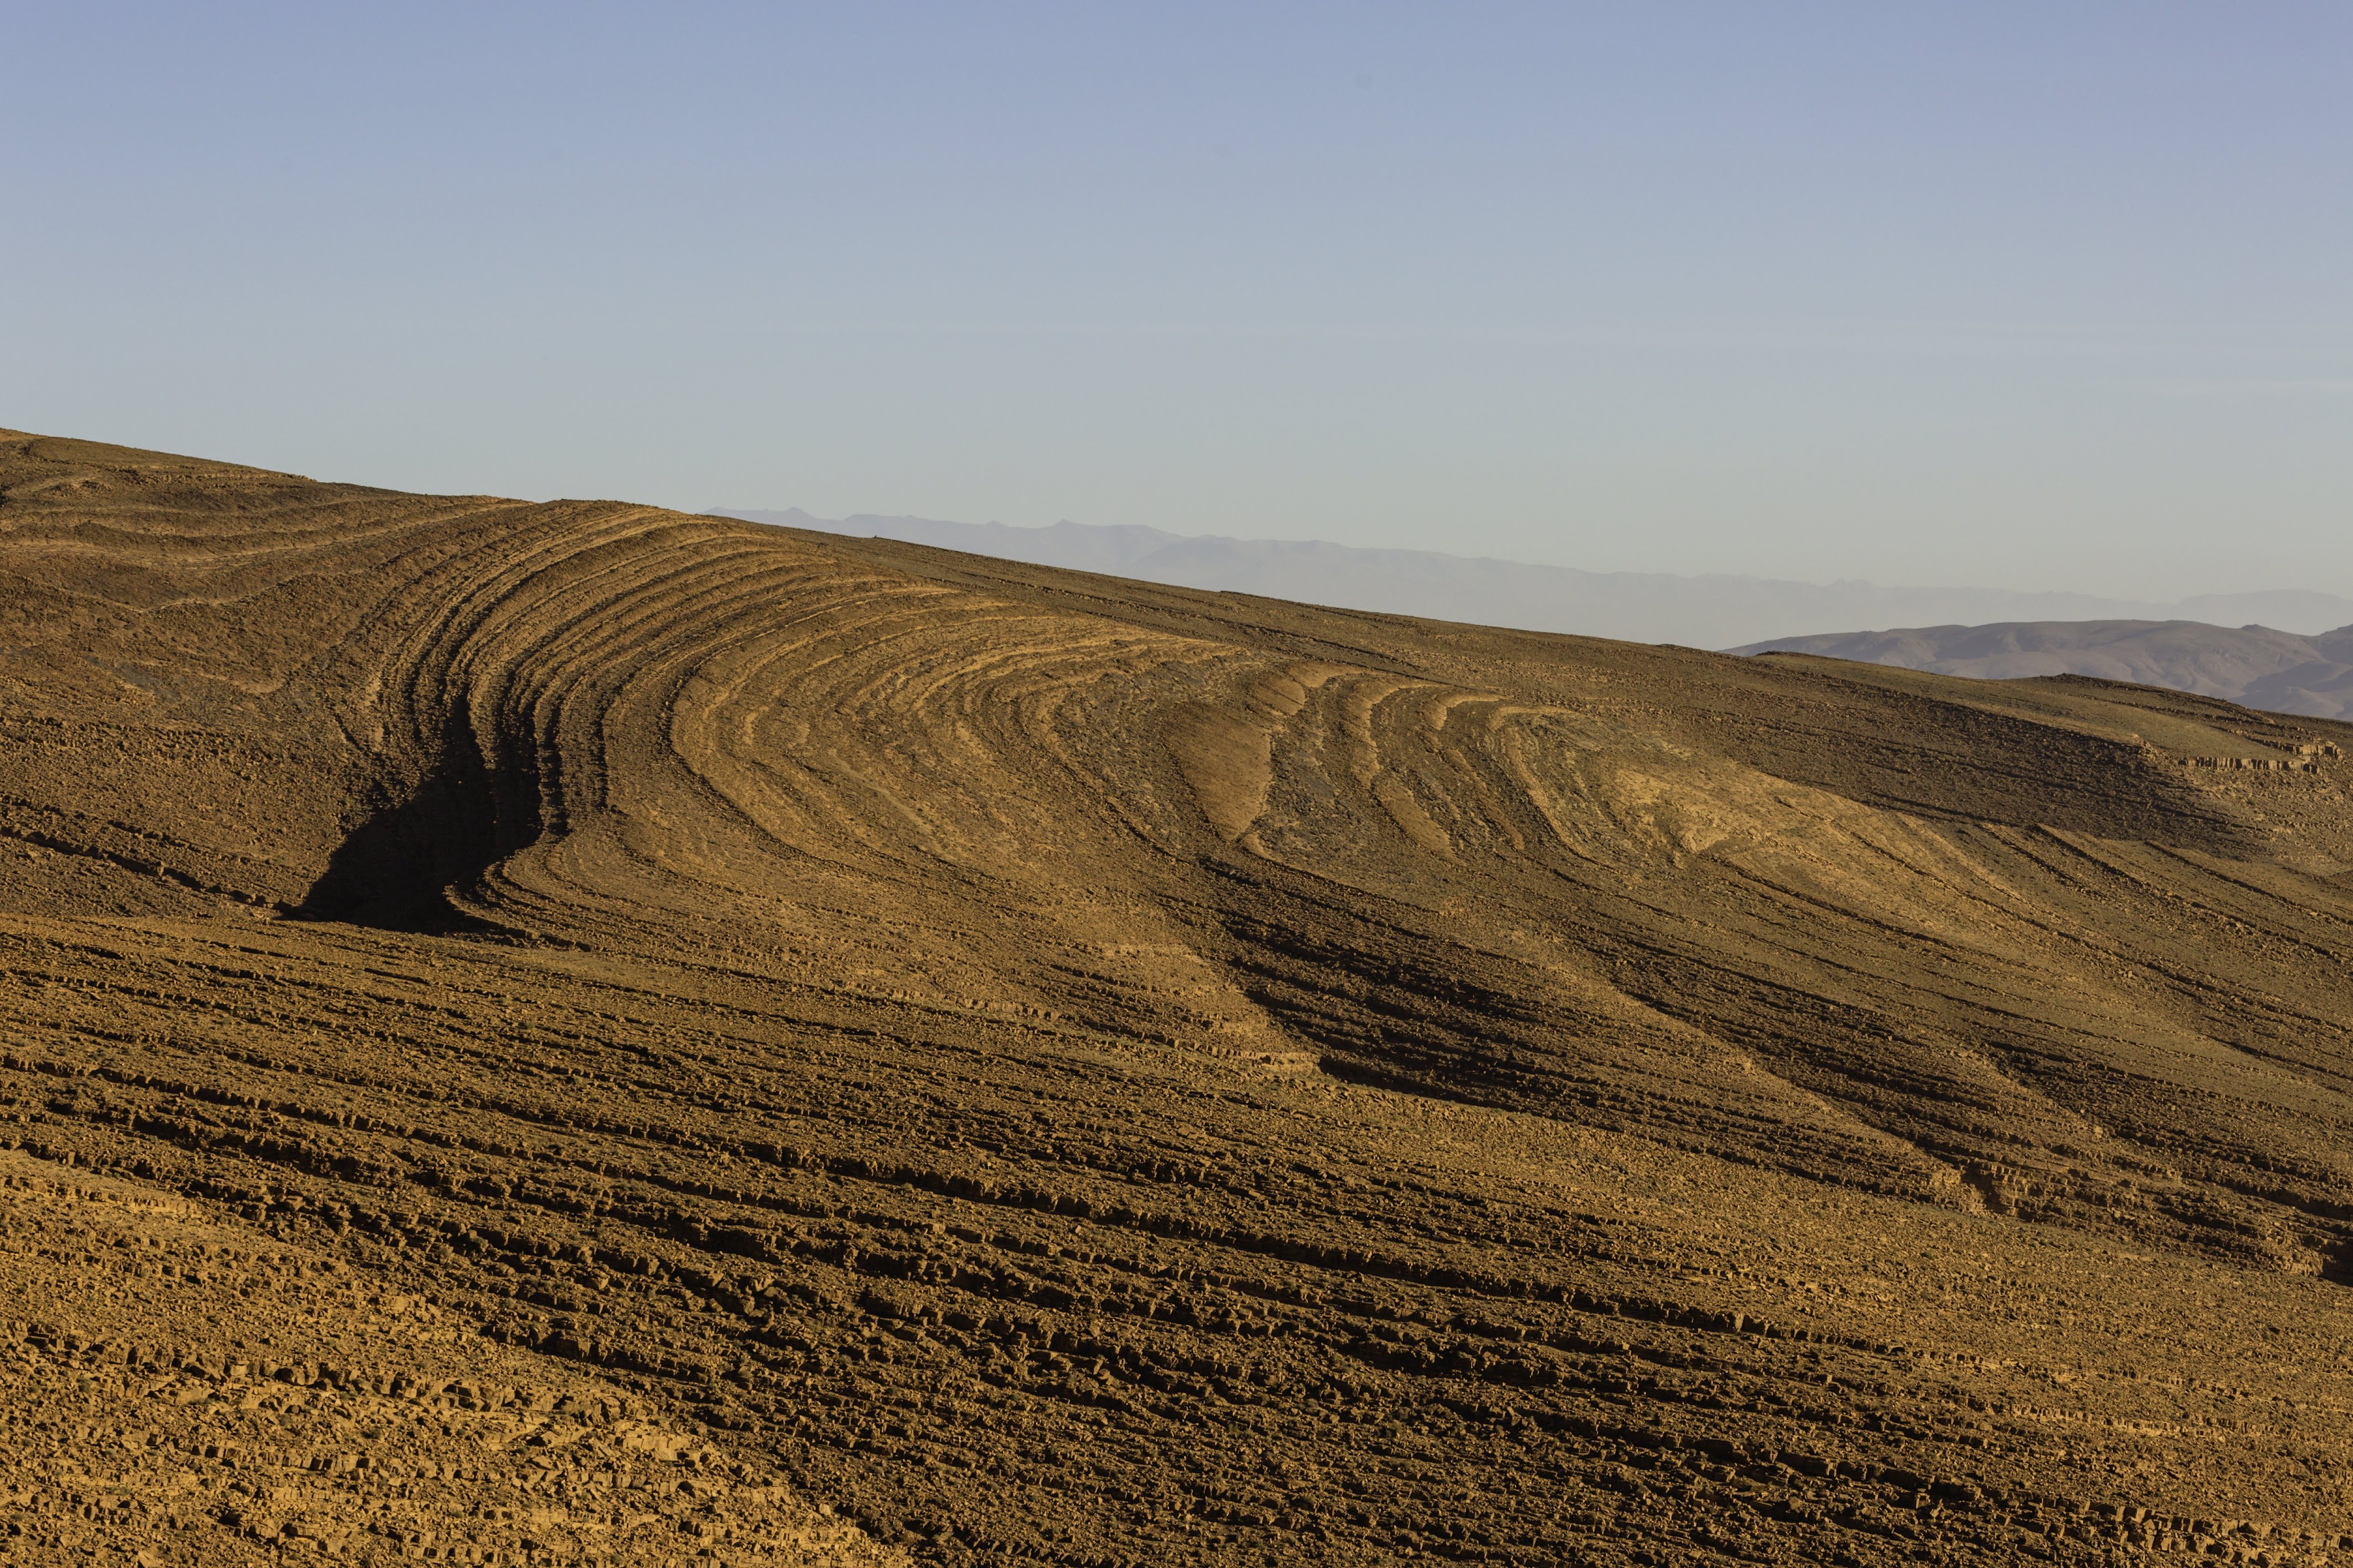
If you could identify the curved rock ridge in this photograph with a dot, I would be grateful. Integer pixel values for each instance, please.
(1071, 1070)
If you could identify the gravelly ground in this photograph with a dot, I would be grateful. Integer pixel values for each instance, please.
(1052, 1070)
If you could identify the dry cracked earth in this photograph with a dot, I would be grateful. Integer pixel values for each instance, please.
(574, 1033)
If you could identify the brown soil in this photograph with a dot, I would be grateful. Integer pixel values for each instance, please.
(560, 1031)
(181, 1381)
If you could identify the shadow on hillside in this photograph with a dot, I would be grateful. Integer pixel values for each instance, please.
(395, 870)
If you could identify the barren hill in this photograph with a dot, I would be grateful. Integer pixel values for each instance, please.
(2253, 665)
(1052, 1069)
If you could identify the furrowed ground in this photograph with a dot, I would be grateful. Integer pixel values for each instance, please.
(827, 1050)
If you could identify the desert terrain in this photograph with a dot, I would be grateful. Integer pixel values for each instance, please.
(574, 1033)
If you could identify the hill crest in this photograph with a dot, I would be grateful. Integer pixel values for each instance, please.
(2254, 665)
(1056, 1068)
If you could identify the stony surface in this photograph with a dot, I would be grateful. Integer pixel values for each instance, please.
(1060, 1070)
(186, 1390)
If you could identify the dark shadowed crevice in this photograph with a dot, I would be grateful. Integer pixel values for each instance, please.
(396, 869)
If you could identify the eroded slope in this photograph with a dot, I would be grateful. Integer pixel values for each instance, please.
(1072, 1070)
(182, 1389)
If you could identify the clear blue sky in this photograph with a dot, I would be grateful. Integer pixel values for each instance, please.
(2027, 295)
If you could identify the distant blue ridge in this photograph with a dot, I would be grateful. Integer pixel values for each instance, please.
(1709, 612)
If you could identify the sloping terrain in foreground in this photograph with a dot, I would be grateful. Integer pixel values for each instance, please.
(1052, 1070)
(337, 1419)
(2252, 665)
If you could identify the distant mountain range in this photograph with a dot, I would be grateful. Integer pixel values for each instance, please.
(2254, 665)
(1710, 612)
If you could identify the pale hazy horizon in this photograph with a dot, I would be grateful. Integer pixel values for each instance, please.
(1718, 611)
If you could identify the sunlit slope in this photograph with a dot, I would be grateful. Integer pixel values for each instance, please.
(779, 866)
(2036, 934)
(350, 1422)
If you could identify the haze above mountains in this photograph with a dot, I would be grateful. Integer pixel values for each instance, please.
(1713, 611)
(2253, 666)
